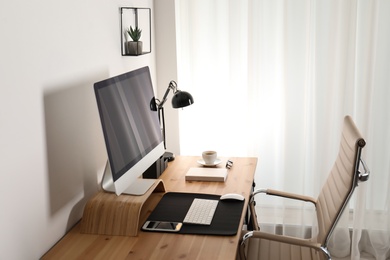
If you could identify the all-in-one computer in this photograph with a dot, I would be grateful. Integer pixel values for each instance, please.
(131, 129)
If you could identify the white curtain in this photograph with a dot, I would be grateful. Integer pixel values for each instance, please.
(274, 79)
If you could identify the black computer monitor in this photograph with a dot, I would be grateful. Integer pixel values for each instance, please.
(131, 129)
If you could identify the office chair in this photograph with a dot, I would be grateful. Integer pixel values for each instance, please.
(332, 200)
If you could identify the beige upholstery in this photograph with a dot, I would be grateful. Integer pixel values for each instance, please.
(329, 205)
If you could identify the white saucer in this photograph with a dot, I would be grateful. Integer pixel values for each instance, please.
(217, 161)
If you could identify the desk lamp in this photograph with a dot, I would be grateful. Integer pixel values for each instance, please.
(180, 99)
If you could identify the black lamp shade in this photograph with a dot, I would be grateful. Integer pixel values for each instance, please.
(182, 99)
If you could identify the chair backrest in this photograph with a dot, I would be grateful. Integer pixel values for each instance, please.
(341, 182)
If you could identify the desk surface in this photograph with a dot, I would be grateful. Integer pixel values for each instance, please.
(154, 245)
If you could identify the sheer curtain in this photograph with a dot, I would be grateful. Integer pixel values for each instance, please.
(274, 79)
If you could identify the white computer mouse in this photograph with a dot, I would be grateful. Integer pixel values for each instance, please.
(232, 196)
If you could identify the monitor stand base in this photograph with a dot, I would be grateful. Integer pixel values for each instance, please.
(138, 187)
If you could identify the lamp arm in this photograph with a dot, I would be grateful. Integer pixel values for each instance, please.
(172, 85)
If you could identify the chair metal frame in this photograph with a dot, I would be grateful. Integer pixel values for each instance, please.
(358, 177)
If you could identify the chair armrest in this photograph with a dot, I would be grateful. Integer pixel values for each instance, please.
(284, 195)
(281, 238)
(252, 203)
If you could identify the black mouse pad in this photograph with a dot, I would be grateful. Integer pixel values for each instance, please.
(174, 206)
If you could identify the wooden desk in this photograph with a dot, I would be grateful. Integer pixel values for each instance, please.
(150, 245)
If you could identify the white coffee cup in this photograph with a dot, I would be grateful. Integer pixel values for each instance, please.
(209, 157)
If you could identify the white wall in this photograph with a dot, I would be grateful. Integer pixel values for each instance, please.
(51, 145)
(166, 62)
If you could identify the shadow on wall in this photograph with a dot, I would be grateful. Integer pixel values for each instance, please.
(75, 145)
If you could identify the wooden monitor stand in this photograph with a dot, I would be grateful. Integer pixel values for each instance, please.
(109, 214)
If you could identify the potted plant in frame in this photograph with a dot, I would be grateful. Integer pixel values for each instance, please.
(134, 47)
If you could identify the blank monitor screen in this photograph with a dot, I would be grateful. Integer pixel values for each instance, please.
(130, 122)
